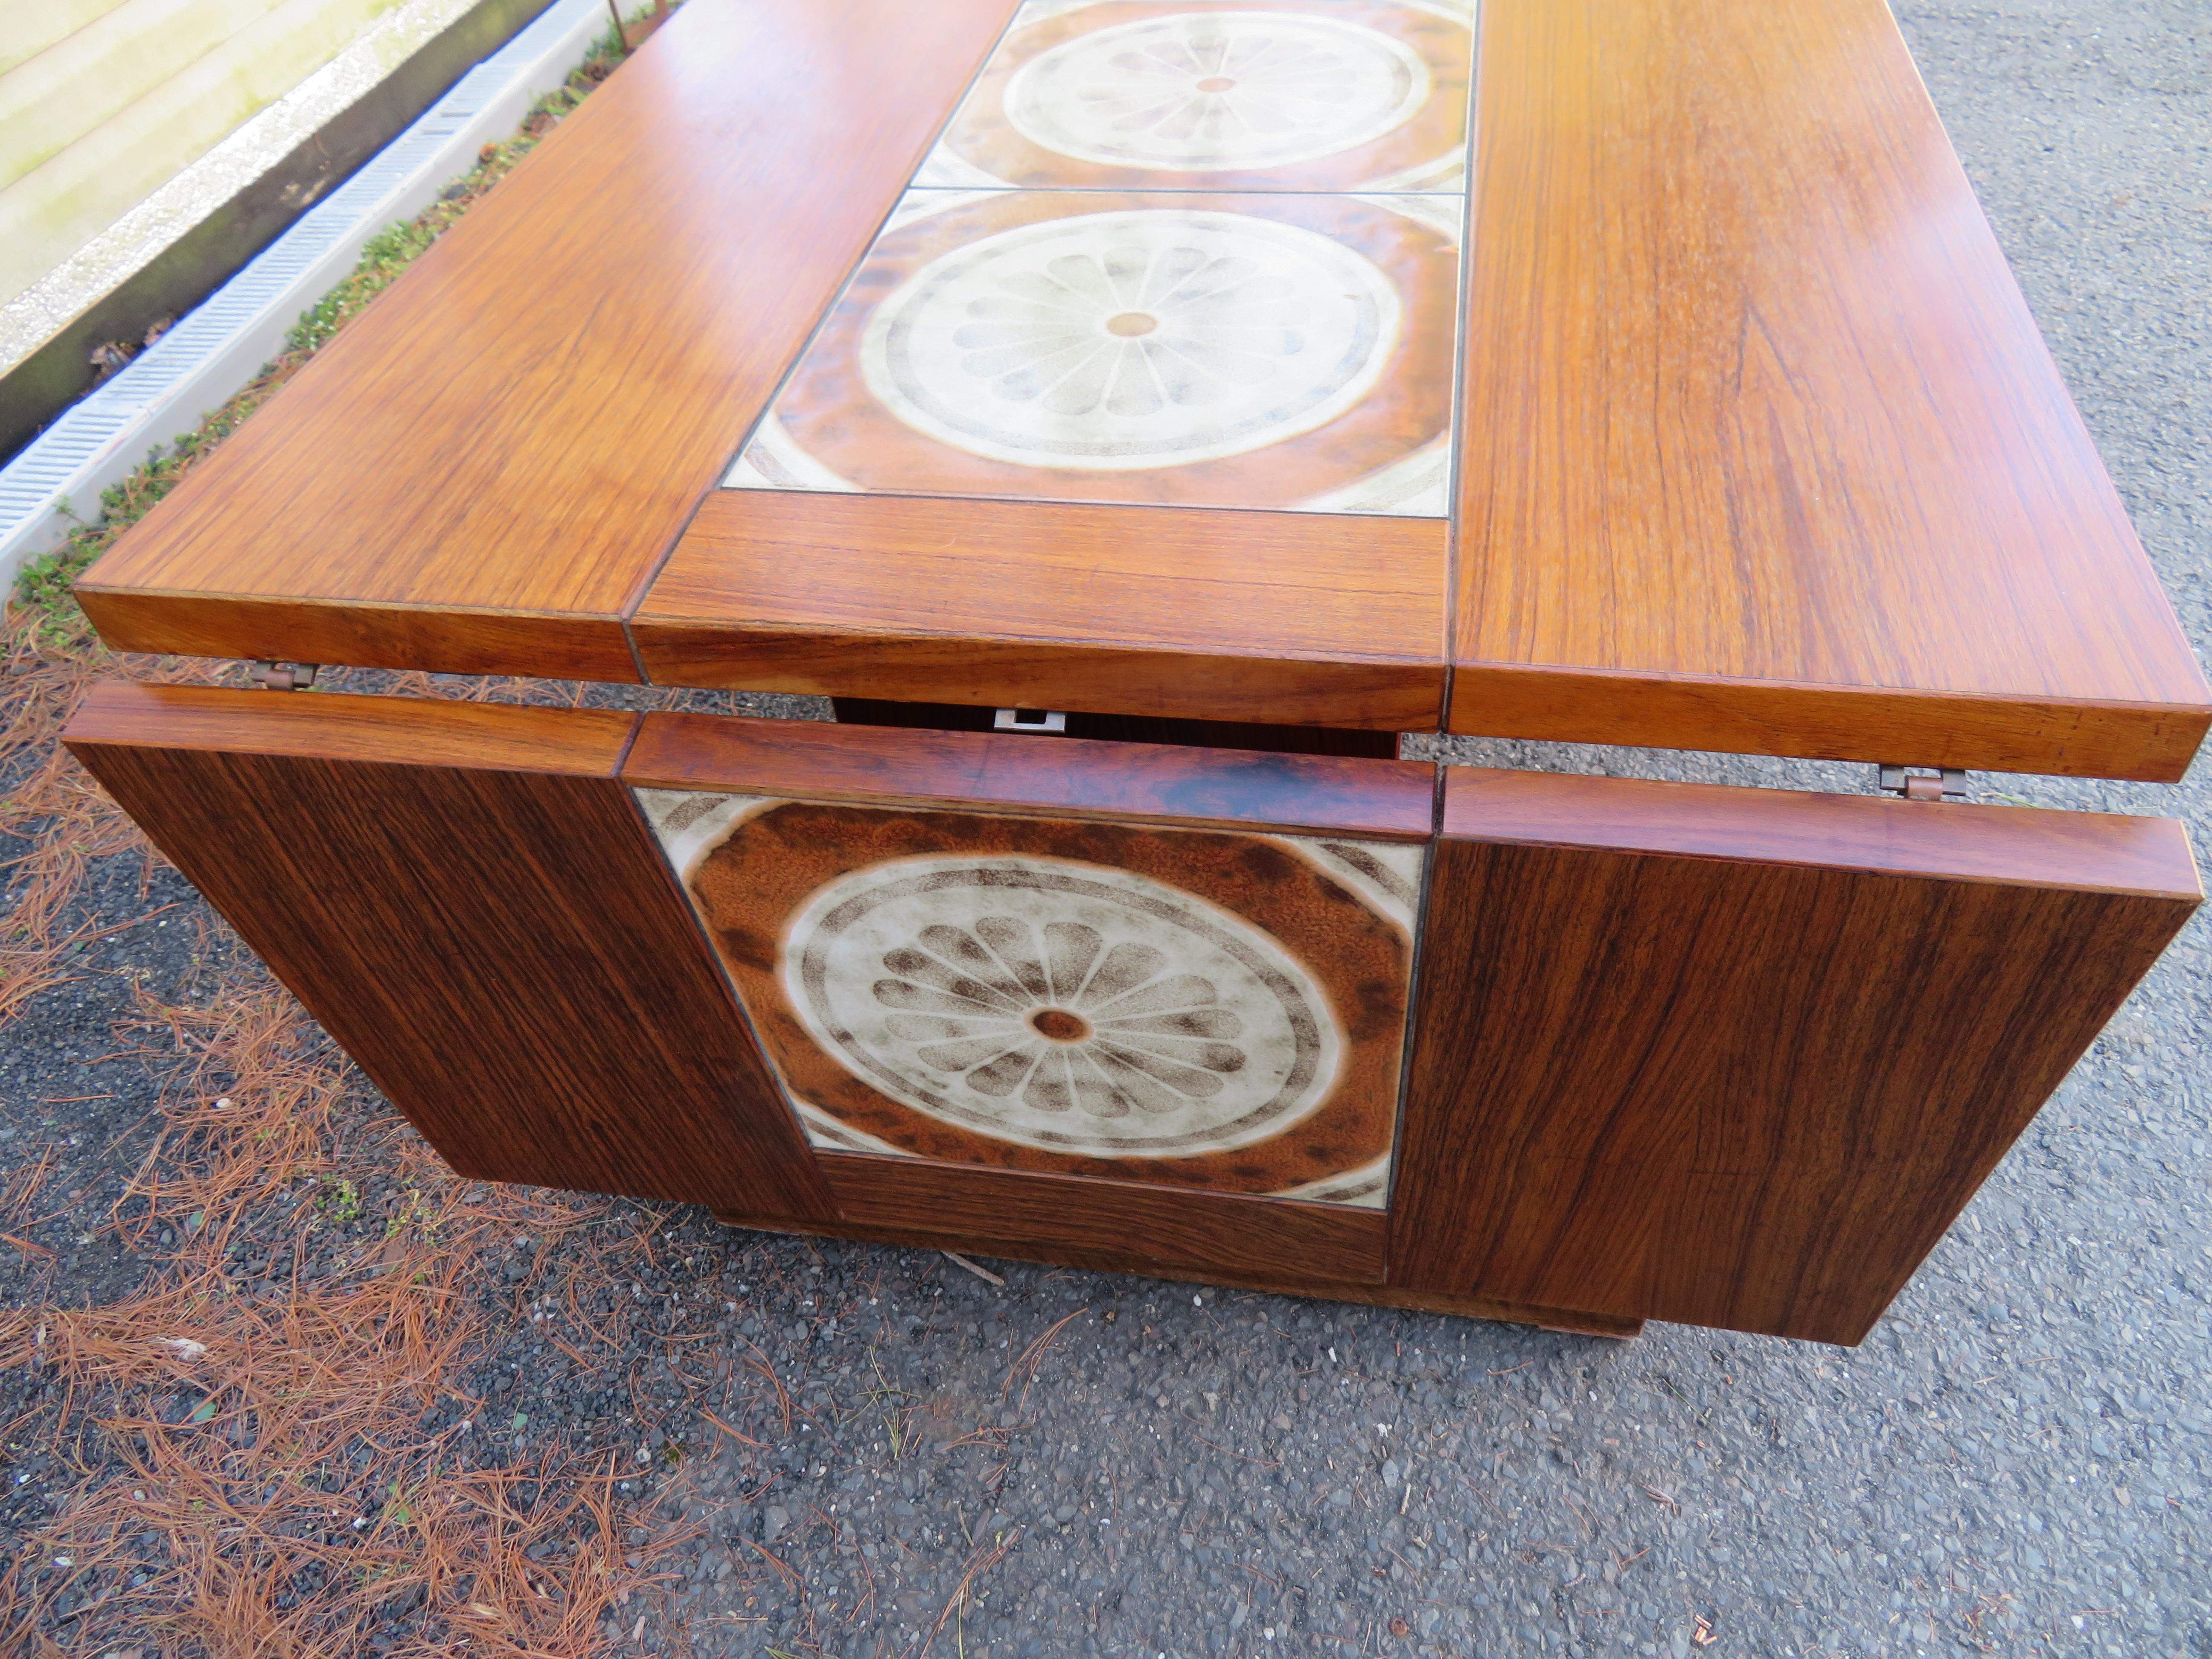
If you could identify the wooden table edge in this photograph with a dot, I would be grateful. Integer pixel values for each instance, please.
(460, 639)
(2143, 856)
(2138, 741)
(501, 736)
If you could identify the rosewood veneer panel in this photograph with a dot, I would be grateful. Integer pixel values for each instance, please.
(1761, 449)
(465, 898)
(1738, 1057)
(1127, 1223)
(1314, 619)
(482, 472)
(1008, 772)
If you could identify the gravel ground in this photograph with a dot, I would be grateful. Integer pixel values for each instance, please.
(2015, 1462)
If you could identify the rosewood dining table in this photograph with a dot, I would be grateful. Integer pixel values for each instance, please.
(1134, 416)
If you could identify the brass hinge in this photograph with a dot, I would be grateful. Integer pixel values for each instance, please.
(1049, 721)
(285, 675)
(1924, 782)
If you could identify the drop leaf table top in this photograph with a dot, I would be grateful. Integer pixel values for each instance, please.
(1616, 371)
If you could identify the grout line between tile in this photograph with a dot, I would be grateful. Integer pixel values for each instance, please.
(1454, 517)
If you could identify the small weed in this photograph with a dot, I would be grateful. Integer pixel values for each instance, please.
(341, 1202)
(417, 1213)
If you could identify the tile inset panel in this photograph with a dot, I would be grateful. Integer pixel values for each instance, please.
(1269, 94)
(1192, 1008)
(1259, 350)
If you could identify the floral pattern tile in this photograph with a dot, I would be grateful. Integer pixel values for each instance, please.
(1222, 94)
(1188, 1008)
(1257, 350)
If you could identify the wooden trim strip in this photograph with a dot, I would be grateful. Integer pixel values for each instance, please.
(1129, 1221)
(438, 639)
(313, 724)
(2149, 742)
(2080, 852)
(1313, 619)
(1002, 772)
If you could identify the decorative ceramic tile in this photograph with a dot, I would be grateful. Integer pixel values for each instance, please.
(1270, 351)
(1240, 95)
(1189, 1007)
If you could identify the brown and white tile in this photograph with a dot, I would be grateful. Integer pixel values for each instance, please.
(1196, 1008)
(1283, 351)
(1222, 94)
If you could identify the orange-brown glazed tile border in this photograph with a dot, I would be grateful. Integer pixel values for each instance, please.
(982, 138)
(828, 412)
(750, 888)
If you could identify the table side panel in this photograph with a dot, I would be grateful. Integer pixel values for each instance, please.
(1756, 417)
(500, 946)
(524, 422)
(1305, 618)
(1679, 1085)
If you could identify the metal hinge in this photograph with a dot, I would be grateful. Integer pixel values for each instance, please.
(285, 675)
(1924, 782)
(1047, 721)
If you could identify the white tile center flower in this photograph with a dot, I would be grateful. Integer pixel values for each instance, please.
(1061, 1006)
(1059, 1018)
(1147, 338)
(1200, 91)
(1132, 330)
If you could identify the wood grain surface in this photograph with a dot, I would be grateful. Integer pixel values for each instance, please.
(1299, 618)
(1271, 1281)
(830, 411)
(479, 917)
(814, 760)
(1761, 449)
(2098, 852)
(314, 725)
(1684, 1082)
(1126, 1221)
(481, 473)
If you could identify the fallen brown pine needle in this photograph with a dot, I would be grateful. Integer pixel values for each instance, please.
(983, 1273)
(256, 1469)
